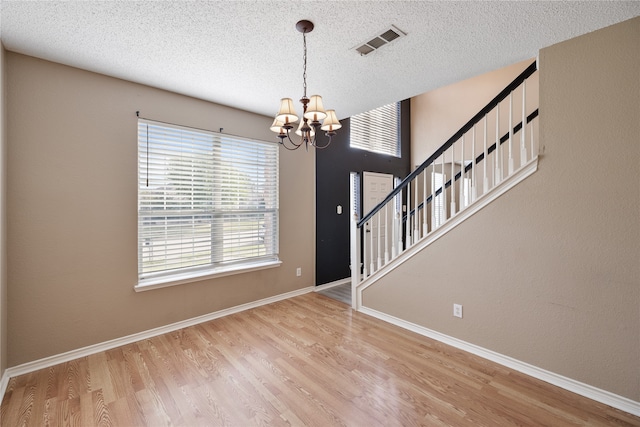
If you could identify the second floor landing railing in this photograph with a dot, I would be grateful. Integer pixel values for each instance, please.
(497, 142)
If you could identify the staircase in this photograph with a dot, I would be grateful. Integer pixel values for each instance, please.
(490, 154)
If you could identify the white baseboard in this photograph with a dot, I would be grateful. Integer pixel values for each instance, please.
(332, 284)
(586, 390)
(4, 382)
(108, 345)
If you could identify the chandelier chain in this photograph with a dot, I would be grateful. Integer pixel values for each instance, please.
(304, 69)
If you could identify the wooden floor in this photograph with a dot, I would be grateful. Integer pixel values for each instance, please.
(340, 293)
(306, 361)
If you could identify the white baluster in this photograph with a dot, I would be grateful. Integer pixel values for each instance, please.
(510, 132)
(523, 135)
(399, 225)
(425, 229)
(379, 251)
(355, 259)
(453, 180)
(462, 174)
(407, 237)
(497, 158)
(416, 222)
(474, 186)
(394, 233)
(372, 259)
(444, 193)
(532, 141)
(365, 251)
(386, 233)
(433, 196)
(485, 184)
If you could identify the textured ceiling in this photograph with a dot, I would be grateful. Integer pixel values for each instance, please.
(248, 54)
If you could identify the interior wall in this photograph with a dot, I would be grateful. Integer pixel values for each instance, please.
(334, 166)
(438, 114)
(3, 216)
(72, 211)
(549, 273)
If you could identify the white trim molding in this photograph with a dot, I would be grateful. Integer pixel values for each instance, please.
(111, 344)
(4, 382)
(179, 279)
(586, 390)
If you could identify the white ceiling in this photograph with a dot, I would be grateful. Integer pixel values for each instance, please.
(248, 54)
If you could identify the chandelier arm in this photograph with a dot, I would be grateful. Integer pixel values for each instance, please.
(290, 149)
(295, 146)
(314, 141)
(321, 147)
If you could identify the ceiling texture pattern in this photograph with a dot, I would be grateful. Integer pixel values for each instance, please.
(248, 54)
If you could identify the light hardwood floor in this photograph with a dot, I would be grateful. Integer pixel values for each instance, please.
(340, 293)
(308, 361)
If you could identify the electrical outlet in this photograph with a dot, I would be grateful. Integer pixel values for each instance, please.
(457, 310)
(298, 272)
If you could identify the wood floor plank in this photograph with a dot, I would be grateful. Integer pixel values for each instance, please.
(69, 413)
(305, 361)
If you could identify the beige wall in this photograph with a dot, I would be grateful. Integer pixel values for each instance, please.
(549, 274)
(71, 197)
(438, 114)
(3, 230)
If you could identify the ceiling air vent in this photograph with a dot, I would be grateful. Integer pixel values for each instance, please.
(376, 42)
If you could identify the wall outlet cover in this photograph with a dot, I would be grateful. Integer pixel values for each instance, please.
(457, 310)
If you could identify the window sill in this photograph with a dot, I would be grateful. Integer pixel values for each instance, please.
(180, 279)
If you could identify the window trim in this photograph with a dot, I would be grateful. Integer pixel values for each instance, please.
(196, 276)
(166, 278)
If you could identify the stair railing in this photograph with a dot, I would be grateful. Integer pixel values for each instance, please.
(478, 157)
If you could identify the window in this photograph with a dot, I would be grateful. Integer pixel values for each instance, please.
(377, 130)
(207, 203)
(354, 184)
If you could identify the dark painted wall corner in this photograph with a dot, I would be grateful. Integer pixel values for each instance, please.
(333, 168)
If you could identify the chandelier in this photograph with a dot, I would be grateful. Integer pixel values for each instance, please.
(312, 111)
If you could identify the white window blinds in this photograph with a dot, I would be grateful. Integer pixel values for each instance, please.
(377, 130)
(205, 200)
(355, 194)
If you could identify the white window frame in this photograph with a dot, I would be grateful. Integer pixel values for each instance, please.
(377, 131)
(207, 202)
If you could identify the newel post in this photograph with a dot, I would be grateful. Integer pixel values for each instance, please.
(355, 261)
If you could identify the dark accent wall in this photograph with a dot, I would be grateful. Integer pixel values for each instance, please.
(333, 167)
